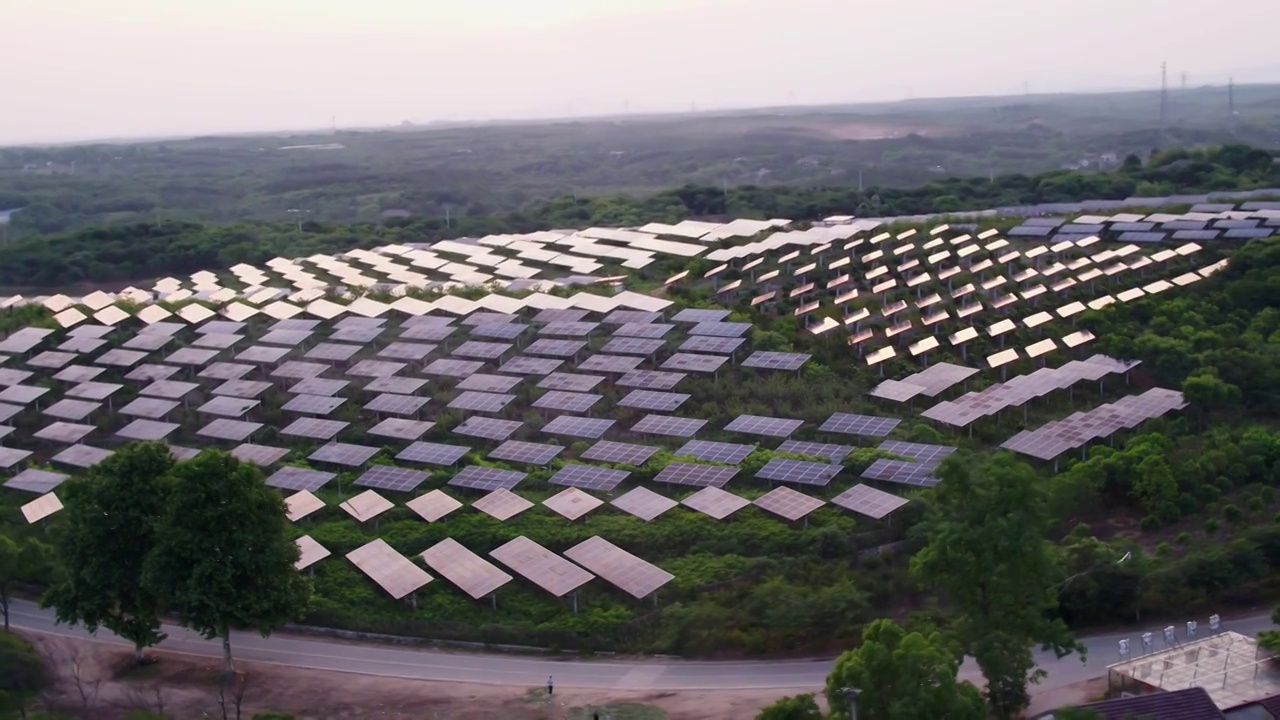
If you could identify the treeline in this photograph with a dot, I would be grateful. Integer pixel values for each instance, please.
(142, 251)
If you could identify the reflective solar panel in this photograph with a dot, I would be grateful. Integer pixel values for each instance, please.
(567, 401)
(720, 329)
(619, 453)
(477, 477)
(406, 351)
(319, 386)
(375, 368)
(788, 503)
(434, 333)
(834, 453)
(150, 408)
(481, 401)
(578, 427)
(291, 338)
(147, 430)
(696, 315)
(433, 453)
(503, 331)
(526, 452)
(481, 350)
(231, 430)
(799, 471)
(396, 404)
(82, 456)
(298, 370)
(313, 404)
(344, 454)
(760, 425)
(868, 501)
(395, 385)
(623, 317)
(357, 335)
(922, 453)
(488, 428)
(489, 383)
(332, 352)
(653, 400)
(651, 331)
(36, 481)
(668, 425)
(148, 343)
(866, 425)
(568, 329)
(712, 344)
(651, 379)
(717, 452)
(450, 367)
(260, 455)
(390, 477)
(401, 428)
(633, 346)
(550, 315)
(678, 473)
(588, 477)
(314, 428)
(62, 432)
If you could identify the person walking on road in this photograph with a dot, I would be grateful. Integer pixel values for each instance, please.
(551, 686)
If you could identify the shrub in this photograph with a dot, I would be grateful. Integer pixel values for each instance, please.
(1211, 525)
(1232, 514)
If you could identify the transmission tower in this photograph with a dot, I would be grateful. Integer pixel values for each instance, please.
(1164, 93)
(1231, 105)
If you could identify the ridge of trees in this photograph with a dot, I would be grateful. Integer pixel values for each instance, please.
(141, 251)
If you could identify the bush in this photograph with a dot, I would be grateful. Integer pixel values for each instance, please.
(1211, 525)
(1149, 523)
(1255, 504)
(1232, 514)
(23, 675)
(1184, 538)
(799, 707)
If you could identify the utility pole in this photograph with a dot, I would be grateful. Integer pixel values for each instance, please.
(448, 219)
(1184, 82)
(859, 180)
(1164, 93)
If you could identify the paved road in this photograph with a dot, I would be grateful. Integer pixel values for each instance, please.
(656, 674)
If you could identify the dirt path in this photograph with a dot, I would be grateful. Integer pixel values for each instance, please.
(95, 681)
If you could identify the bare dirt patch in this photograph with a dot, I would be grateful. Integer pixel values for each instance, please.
(94, 680)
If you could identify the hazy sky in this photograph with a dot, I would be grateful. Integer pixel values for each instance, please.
(122, 68)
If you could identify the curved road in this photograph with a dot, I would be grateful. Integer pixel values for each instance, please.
(653, 674)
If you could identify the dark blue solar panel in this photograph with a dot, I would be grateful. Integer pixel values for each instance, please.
(1142, 237)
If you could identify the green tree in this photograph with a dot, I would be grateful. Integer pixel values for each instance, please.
(23, 674)
(109, 530)
(28, 562)
(902, 676)
(987, 555)
(798, 707)
(223, 557)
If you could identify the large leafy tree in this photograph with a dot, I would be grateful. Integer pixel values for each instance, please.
(987, 555)
(28, 561)
(109, 529)
(902, 676)
(223, 557)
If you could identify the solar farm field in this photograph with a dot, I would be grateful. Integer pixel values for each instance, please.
(483, 441)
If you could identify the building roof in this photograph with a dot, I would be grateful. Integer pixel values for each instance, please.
(1190, 704)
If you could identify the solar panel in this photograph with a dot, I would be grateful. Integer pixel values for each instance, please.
(191, 356)
(653, 400)
(589, 477)
(633, 346)
(324, 387)
(478, 477)
(481, 401)
(375, 368)
(488, 428)
(244, 389)
(720, 329)
(393, 572)
(799, 471)
(867, 425)
(433, 453)
(693, 363)
(390, 477)
(619, 567)
(92, 390)
(8, 411)
(834, 453)
(679, 473)
(760, 425)
(619, 453)
(216, 341)
(356, 334)
(923, 454)
(81, 345)
(712, 344)
(550, 315)
(765, 360)
(82, 456)
(504, 331)
(567, 401)
(450, 367)
(578, 427)
(489, 383)
(651, 331)
(314, 428)
(568, 329)
(406, 351)
(72, 409)
(291, 338)
(148, 343)
(568, 382)
(260, 455)
(344, 454)
(523, 365)
(715, 503)
(609, 363)
(227, 406)
(526, 452)
(298, 370)
(51, 360)
(36, 481)
(868, 501)
(231, 430)
(668, 425)
(556, 348)
(395, 385)
(898, 471)
(435, 333)
(623, 317)
(22, 394)
(717, 452)
(332, 352)
(396, 404)
(485, 318)
(295, 324)
(63, 432)
(9, 376)
(482, 350)
(651, 379)
(787, 503)
(695, 315)
(433, 505)
(401, 428)
(225, 371)
(471, 573)
(541, 566)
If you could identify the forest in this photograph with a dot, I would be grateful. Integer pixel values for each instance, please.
(138, 252)
(491, 170)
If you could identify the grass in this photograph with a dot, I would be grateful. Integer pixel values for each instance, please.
(624, 711)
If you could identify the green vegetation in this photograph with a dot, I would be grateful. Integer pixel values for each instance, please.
(902, 675)
(27, 561)
(799, 707)
(23, 675)
(142, 251)
(172, 534)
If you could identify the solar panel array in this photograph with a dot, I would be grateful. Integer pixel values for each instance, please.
(1054, 438)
